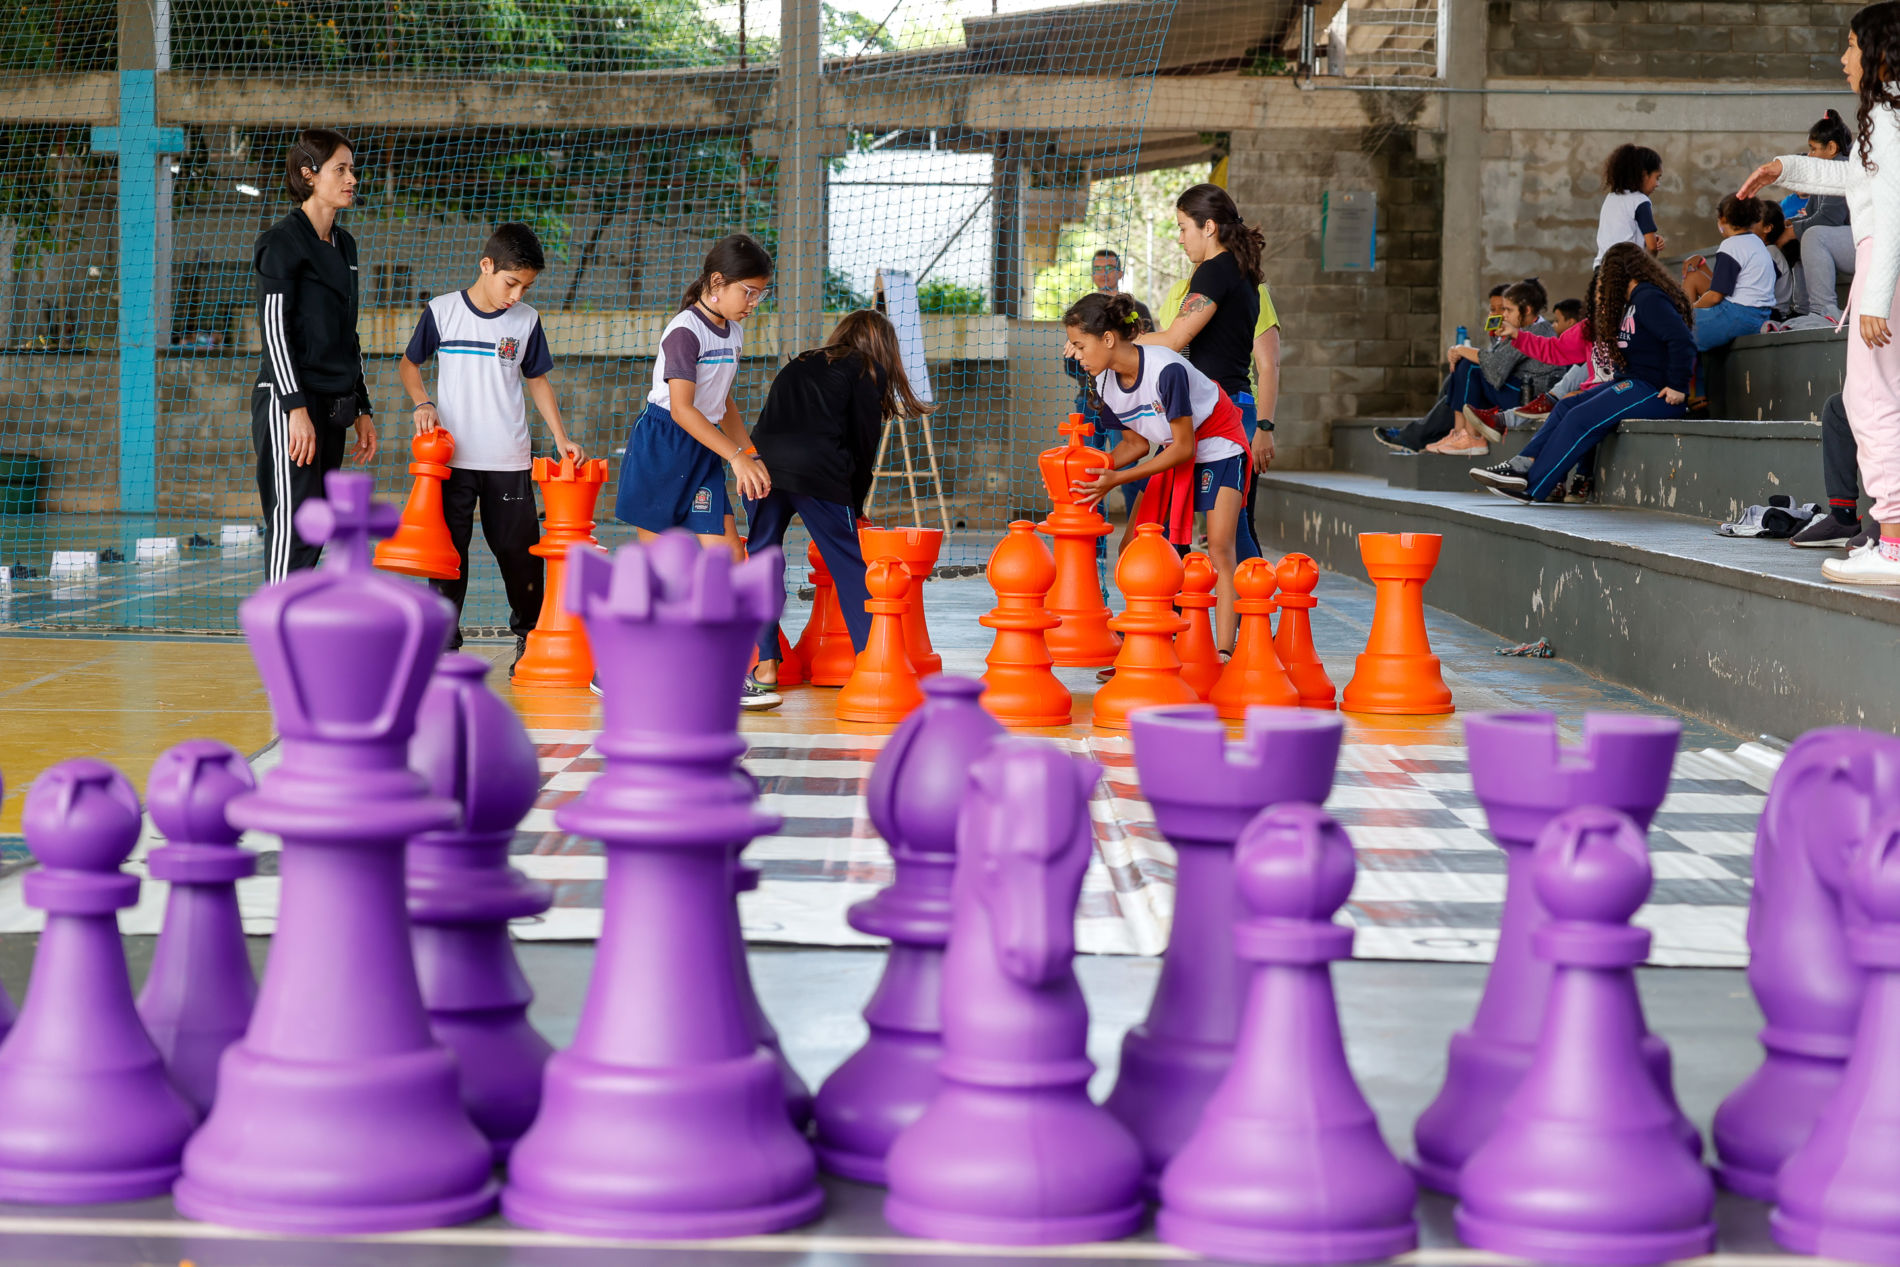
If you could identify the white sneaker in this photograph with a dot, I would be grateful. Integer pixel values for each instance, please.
(1863, 567)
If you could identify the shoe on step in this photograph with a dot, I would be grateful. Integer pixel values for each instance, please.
(1825, 532)
(1542, 407)
(1389, 437)
(1489, 422)
(1505, 475)
(1863, 567)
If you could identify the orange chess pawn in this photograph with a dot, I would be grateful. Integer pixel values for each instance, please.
(916, 549)
(1254, 675)
(1293, 640)
(557, 654)
(1194, 646)
(421, 546)
(1081, 637)
(883, 686)
(1398, 672)
(1022, 691)
(1147, 672)
(824, 649)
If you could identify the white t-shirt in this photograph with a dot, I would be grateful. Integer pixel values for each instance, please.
(692, 347)
(1744, 271)
(482, 358)
(1166, 387)
(1624, 218)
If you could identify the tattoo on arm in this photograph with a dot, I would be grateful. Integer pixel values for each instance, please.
(1195, 303)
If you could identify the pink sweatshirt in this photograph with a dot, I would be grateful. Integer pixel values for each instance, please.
(1572, 347)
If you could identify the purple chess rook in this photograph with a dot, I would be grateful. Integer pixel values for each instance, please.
(1585, 1164)
(338, 1111)
(1836, 1193)
(1012, 1151)
(916, 790)
(746, 877)
(1204, 791)
(1287, 1165)
(198, 996)
(1524, 778)
(87, 1112)
(474, 751)
(1830, 786)
(666, 1118)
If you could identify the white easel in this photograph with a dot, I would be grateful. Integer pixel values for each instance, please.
(897, 300)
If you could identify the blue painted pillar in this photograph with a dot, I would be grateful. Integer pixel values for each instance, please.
(141, 146)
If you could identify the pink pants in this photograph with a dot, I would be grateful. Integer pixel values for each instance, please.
(1872, 398)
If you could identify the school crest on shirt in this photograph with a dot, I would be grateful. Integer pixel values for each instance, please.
(508, 348)
(1207, 478)
(702, 500)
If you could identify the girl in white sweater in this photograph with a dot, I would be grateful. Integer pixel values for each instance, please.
(1871, 181)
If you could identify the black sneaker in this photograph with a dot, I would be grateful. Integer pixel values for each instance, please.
(521, 649)
(1508, 474)
(755, 696)
(1512, 495)
(1825, 532)
(593, 685)
(1389, 437)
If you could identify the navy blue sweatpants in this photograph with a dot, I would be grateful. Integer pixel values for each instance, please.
(1579, 423)
(834, 530)
(1471, 388)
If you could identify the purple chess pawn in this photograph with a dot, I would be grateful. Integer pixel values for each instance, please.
(1585, 1164)
(1204, 791)
(87, 1113)
(198, 996)
(1836, 1192)
(746, 879)
(474, 751)
(1831, 785)
(917, 788)
(1524, 777)
(666, 1118)
(1287, 1165)
(1011, 1150)
(338, 1111)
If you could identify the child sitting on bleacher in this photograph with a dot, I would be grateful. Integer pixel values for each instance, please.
(1629, 178)
(1733, 294)
(1462, 360)
(1824, 228)
(1783, 248)
(1506, 376)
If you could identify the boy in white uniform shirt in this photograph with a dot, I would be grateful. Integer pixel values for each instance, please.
(490, 347)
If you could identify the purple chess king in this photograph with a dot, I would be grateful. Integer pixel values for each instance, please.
(1585, 1164)
(87, 1112)
(1204, 791)
(1524, 778)
(1831, 785)
(917, 788)
(198, 996)
(1011, 1151)
(1287, 1165)
(666, 1118)
(474, 751)
(338, 1111)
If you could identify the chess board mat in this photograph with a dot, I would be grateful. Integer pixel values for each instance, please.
(1430, 883)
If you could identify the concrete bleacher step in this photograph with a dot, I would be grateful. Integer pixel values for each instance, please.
(1746, 633)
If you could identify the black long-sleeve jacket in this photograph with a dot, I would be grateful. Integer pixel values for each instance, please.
(306, 313)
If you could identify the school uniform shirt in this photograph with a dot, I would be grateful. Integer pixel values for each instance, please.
(306, 316)
(819, 429)
(1625, 217)
(1784, 280)
(1744, 272)
(1166, 387)
(482, 358)
(1873, 203)
(704, 354)
(1223, 350)
(1657, 346)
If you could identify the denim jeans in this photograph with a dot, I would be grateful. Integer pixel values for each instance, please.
(1721, 325)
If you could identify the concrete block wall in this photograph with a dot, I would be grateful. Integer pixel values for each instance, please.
(1762, 40)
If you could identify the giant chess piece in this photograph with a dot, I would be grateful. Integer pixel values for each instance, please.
(1585, 1164)
(474, 751)
(198, 996)
(420, 544)
(1830, 786)
(87, 1113)
(1524, 778)
(1011, 1150)
(557, 653)
(745, 879)
(1023, 690)
(1288, 1165)
(1147, 672)
(1204, 790)
(917, 787)
(666, 1118)
(339, 1111)
(1081, 638)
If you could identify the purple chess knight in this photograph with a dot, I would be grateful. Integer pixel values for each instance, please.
(1524, 777)
(338, 1111)
(1011, 1150)
(198, 995)
(473, 750)
(666, 1118)
(1832, 784)
(1204, 791)
(916, 790)
(1287, 1165)
(1585, 1164)
(87, 1112)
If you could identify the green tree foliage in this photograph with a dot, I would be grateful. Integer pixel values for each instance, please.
(951, 298)
(1132, 215)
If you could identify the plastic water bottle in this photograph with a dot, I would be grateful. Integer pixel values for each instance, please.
(1464, 337)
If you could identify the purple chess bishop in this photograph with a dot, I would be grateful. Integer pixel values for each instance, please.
(87, 1112)
(917, 787)
(1585, 1164)
(1524, 778)
(338, 1111)
(1204, 791)
(1836, 1195)
(1012, 1151)
(1287, 1165)
(1831, 785)
(198, 996)
(746, 877)
(474, 751)
(666, 1118)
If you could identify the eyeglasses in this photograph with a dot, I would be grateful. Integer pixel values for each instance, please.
(754, 295)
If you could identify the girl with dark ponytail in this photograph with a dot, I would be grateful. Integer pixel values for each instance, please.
(1824, 232)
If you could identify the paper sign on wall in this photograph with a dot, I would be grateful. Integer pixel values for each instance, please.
(1348, 231)
(897, 299)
